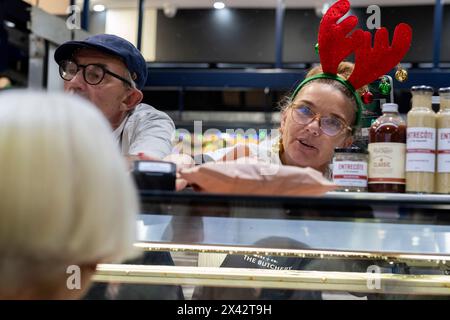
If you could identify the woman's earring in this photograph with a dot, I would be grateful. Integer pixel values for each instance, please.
(278, 147)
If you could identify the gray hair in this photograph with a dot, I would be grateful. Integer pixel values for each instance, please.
(66, 196)
(130, 78)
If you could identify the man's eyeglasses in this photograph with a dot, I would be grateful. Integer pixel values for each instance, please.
(329, 125)
(92, 73)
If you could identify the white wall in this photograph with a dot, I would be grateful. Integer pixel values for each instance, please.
(123, 22)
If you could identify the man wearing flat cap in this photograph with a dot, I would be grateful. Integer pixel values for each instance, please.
(110, 72)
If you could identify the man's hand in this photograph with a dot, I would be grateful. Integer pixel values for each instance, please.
(182, 161)
(141, 156)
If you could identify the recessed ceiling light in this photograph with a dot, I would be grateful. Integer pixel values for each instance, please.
(219, 5)
(99, 8)
(10, 24)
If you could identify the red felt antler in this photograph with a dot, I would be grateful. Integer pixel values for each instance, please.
(371, 63)
(336, 43)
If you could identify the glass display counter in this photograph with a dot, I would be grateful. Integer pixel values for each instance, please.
(338, 246)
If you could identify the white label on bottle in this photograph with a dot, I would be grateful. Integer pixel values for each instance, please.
(365, 132)
(350, 173)
(420, 149)
(387, 163)
(443, 150)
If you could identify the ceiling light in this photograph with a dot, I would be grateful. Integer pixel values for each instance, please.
(170, 10)
(99, 8)
(9, 24)
(219, 5)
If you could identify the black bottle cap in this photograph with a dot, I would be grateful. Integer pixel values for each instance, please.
(350, 150)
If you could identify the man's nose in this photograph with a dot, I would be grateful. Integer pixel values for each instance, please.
(77, 83)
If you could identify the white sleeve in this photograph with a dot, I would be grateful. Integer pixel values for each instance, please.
(153, 135)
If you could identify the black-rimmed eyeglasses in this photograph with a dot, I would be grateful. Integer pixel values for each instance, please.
(93, 74)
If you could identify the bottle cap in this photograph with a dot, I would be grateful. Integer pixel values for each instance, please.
(390, 107)
(427, 89)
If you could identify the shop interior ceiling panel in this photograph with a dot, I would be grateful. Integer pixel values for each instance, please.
(252, 3)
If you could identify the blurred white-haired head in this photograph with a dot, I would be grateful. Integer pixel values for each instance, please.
(65, 195)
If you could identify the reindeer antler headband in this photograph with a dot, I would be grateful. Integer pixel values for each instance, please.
(336, 43)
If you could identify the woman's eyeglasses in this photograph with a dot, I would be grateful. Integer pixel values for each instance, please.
(329, 125)
(92, 73)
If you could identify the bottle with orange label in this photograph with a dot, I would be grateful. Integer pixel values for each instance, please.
(421, 142)
(387, 146)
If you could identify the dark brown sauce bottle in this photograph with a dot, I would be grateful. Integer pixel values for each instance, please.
(387, 149)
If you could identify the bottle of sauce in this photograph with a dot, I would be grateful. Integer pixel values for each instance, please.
(387, 147)
(442, 184)
(421, 142)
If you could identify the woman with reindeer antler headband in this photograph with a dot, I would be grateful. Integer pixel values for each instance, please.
(322, 112)
(318, 116)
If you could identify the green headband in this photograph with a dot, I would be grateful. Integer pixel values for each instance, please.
(340, 80)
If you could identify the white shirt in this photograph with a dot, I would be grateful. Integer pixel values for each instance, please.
(146, 130)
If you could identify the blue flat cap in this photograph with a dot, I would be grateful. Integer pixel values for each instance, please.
(112, 45)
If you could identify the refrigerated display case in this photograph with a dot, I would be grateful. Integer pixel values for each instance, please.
(341, 245)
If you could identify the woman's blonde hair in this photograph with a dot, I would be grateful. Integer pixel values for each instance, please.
(66, 196)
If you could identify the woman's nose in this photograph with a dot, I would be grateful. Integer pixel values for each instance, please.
(314, 126)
